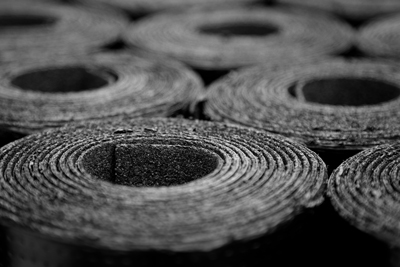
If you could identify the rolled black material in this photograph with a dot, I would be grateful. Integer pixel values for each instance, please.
(380, 37)
(221, 39)
(350, 9)
(153, 192)
(364, 191)
(29, 27)
(42, 93)
(335, 107)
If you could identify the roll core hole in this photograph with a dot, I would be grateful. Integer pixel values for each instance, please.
(240, 29)
(149, 165)
(24, 20)
(67, 79)
(346, 91)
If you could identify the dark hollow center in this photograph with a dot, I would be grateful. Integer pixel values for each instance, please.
(240, 29)
(348, 91)
(23, 20)
(149, 165)
(67, 79)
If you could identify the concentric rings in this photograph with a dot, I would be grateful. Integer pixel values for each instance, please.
(351, 9)
(45, 26)
(333, 104)
(380, 37)
(231, 38)
(364, 190)
(41, 93)
(65, 185)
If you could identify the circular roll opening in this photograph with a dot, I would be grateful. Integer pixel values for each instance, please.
(240, 29)
(349, 91)
(149, 165)
(67, 79)
(24, 20)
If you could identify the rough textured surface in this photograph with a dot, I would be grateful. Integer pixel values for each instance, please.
(246, 211)
(201, 39)
(274, 100)
(29, 27)
(36, 94)
(365, 192)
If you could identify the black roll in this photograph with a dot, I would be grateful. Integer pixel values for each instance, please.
(153, 192)
(364, 190)
(380, 38)
(28, 27)
(335, 107)
(357, 10)
(224, 39)
(41, 93)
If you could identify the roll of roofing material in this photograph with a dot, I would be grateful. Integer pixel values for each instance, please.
(350, 9)
(43, 26)
(49, 92)
(150, 6)
(364, 191)
(335, 107)
(230, 38)
(380, 37)
(155, 192)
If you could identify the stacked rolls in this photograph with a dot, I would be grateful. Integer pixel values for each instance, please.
(197, 193)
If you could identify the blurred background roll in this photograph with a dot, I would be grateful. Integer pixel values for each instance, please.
(335, 107)
(364, 190)
(354, 10)
(380, 37)
(156, 192)
(41, 93)
(38, 27)
(226, 39)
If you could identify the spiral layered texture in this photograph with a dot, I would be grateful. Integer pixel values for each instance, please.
(380, 37)
(197, 186)
(149, 6)
(333, 104)
(351, 9)
(43, 26)
(231, 38)
(364, 190)
(42, 93)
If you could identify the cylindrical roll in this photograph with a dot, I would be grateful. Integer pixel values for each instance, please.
(380, 37)
(150, 6)
(155, 192)
(351, 9)
(231, 38)
(332, 106)
(364, 190)
(40, 93)
(27, 26)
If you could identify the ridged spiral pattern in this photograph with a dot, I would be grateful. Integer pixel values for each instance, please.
(380, 37)
(351, 9)
(235, 37)
(350, 105)
(41, 93)
(364, 190)
(258, 183)
(39, 27)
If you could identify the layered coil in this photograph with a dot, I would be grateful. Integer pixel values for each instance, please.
(332, 105)
(364, 191)
(379, 37)
(151, 6)
(151, 192)
(221, 39)
(42, 93)
(30, 27)
(357, 10)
